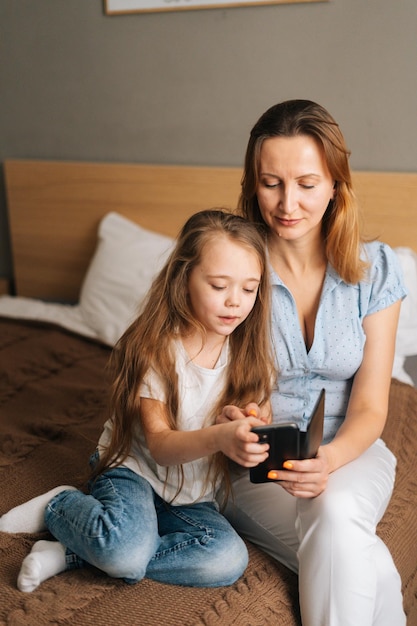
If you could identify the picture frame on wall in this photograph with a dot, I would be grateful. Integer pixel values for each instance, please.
(120, 7)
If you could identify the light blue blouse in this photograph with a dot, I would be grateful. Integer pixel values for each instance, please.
(339, 339)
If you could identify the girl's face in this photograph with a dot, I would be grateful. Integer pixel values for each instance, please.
(223, 286)
(295, 186)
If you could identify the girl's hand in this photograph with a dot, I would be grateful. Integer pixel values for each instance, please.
(304, 479)
(240, 444)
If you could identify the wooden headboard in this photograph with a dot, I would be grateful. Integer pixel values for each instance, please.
(55, 208)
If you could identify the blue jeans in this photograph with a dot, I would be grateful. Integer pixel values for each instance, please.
(126, 530)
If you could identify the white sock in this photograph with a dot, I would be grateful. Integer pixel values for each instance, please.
(46, 559)
(29, 516)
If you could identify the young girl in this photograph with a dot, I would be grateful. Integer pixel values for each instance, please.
(200, 343)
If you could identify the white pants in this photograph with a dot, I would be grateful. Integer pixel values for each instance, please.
(346, 574)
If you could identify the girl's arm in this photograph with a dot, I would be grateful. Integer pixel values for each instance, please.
(174, 447)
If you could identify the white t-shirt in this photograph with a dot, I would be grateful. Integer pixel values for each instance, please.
(198, 390)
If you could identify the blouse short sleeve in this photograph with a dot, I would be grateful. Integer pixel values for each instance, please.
(385, 284)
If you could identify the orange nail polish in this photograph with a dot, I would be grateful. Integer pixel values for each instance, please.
(252, 412)
(272, 475)
(287, 465)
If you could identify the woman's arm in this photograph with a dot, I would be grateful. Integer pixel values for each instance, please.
(368, 404)
(173, 447)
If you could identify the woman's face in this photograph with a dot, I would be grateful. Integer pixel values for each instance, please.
(295, 186)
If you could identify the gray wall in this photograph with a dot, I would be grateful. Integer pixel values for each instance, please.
(186, 86)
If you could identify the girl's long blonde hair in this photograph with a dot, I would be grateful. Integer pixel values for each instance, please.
(166, 315)
(341, 222)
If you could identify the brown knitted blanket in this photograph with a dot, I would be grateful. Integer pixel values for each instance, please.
(53, 391)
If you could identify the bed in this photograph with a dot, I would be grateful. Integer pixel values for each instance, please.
(86, 240)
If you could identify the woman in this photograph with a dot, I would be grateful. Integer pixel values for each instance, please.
(335, 306)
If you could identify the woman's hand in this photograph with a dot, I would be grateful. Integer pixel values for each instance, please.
(231, 413)
(304, 479)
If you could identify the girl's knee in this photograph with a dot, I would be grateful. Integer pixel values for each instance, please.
(124, 555)
(228, 564)
(129, 567)
(238, 562)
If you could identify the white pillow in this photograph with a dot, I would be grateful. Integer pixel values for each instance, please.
(406, 344)
(121, 271)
